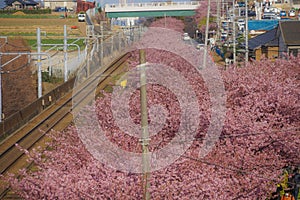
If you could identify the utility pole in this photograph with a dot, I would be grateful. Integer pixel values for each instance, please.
(0, 89)
(234, 44)
(145, 132)
(88, 58)
(246, 32)
(120, 40)
(65, 54)
(165, 15)
(206, 35)
(218, 19)
(131, 32)
(112, 44)
(101, 45)
(39, 63)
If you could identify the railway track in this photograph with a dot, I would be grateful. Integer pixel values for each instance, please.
(56, 117)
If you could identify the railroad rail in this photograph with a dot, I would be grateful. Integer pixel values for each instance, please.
(56, 117)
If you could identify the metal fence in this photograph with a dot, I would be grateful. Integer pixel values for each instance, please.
(103, 48)
(100, 50)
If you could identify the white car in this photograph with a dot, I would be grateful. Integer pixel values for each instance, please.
(267, 9)
(81, 17)
(241, 27)
(186, 36)
(224, 35)
(241, 21)
(200, 46)
(292, 13)
(274, 10)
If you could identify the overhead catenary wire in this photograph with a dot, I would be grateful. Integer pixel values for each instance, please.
(230, 167)
(296, 131)
(15, 70)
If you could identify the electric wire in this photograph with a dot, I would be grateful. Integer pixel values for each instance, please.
(235, 169)
(15, 70)
(231, 167)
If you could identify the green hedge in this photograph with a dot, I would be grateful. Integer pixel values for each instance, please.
(26, 11)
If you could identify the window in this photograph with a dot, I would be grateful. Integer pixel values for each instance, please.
(293, 52)
(264, 50)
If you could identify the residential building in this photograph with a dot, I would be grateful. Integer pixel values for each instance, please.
(53, 4)
(264, 45)
(288, 33)
(21, 4)
(277, 42)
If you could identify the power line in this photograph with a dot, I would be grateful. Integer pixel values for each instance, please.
(14, 70)
(259, 133)
(229, 167)
(22, 47)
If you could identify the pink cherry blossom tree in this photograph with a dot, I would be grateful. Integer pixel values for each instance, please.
(260, 135)
(169, 23)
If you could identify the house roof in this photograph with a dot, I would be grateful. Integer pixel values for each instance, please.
(290, 32)
(24, 2)
(2, 4)
(31, 2)
(262, 25)
(268, 38)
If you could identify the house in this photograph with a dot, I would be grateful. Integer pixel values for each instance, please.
(264, 45)
(54, 4)
(288, 34)
(21, 4)
(83, 5)
(284, 39)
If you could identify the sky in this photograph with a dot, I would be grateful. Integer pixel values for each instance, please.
(102, 2)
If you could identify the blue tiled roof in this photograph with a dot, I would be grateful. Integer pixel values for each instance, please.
(265, 25)
(267, 38)
(2, 4)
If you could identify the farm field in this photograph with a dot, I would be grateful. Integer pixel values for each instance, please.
(50, 27)
(21, 32)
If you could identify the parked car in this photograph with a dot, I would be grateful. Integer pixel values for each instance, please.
(200, 45)
(292, 13)
(224, 35)
(277, 16)
(269, 15)
(186, 36)
(225, 24)
(267, 9)
(250, 13)
(241, 21)
(275, 10)
(282, 13)
(81, 17)
(241, 27)
(60, 9)
(241, 4)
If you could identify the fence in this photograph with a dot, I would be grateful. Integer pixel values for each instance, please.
(99, 51)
